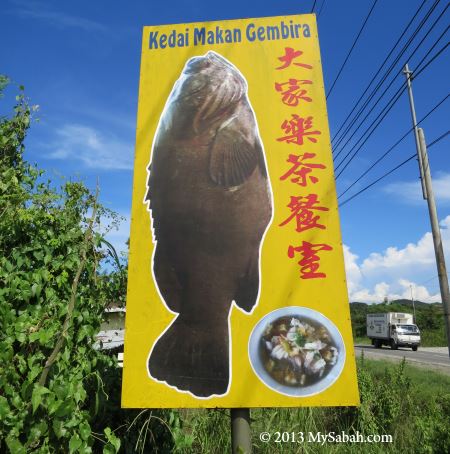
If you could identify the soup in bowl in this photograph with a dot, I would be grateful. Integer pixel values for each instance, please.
(296, 351)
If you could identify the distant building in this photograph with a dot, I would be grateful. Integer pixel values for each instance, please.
(112, 330)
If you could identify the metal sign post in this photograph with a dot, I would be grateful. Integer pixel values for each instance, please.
(241, 438)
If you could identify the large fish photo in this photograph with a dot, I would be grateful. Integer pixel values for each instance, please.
(210, 201)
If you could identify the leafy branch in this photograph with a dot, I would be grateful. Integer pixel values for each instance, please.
(60, 342)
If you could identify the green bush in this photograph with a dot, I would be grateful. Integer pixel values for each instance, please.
(51, 303)
(57, 392)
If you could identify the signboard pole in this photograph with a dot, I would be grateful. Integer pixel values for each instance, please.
(241, 439)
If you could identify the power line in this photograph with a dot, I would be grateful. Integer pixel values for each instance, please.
(385, 76)
(377, 180)
(432, 59)
(320, 10)
(351, 49)
(373, 107)
(386, 73)
(436, 42)
(435, 141)
(374, 125)
(371, 129)
(393, 170)
(392, 81)
(395, 145)
(392, 101)
(379, 69)
(428, 280)
(352, 124)
(403, 85)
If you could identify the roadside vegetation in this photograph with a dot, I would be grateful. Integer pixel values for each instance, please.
(410, 404)
(58, 394)
(429, 319)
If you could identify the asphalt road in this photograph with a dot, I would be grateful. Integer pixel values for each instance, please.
(436, 358)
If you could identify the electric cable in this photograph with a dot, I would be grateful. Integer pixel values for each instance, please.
(393, 170)
(321, 8)
(387, 88)
(364, 119)
(393, 80)
(351, 49)
(387, 73)
(356, 117)
(395, 145)
(431, 60)
(377, 72)
(384, 112)
(371, 129)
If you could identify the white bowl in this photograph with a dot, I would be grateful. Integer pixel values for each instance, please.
(265, 377)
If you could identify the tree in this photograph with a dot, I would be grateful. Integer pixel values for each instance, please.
(52, 299)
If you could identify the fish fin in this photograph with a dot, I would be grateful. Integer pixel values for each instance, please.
(233, 159)
(167, 279)
(248, 286)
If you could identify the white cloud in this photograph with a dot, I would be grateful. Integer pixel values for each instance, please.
(392, 272)
(411, 192)
(352, 270)
(400, 289)
(95, 149)
(421, 253)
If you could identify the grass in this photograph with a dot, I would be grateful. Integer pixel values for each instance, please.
(433, 338)
(427, 383)
(411, 404)
(362, 340)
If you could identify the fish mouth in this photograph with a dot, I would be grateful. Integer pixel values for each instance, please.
(197, 64)
(217, 59)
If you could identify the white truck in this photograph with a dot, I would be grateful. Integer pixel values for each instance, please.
(393, 328)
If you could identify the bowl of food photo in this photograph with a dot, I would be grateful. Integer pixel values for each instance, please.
(296, 351)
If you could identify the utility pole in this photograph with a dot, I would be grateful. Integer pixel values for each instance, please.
(414, 307)
(427, 190)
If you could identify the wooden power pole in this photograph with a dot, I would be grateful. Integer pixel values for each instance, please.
(427, 190)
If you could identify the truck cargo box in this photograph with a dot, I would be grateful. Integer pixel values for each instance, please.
(378, 326)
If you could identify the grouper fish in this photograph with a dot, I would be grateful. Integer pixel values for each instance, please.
(210, 202)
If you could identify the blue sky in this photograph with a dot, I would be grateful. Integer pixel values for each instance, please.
(79, 61)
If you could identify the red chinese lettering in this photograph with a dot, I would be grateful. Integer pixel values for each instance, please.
(301, 170)
(289, 55)
(297, 128)
(293, 93)
(309, 264)
(302, 211)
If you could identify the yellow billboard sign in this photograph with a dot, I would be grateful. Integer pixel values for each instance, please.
(236, 291)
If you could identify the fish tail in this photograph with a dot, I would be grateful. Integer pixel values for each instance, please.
(193, 357)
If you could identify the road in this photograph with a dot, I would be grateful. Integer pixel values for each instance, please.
(428, 357)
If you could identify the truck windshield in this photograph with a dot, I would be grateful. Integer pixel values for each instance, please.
(408, 328)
